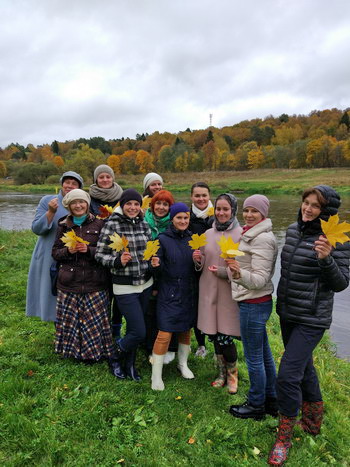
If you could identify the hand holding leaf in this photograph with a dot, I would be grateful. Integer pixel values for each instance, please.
(151, 249)
(71, 239)
(335, 231)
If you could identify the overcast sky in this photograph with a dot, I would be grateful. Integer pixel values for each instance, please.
(113, 68)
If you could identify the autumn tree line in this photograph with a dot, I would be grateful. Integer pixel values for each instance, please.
(320, 139)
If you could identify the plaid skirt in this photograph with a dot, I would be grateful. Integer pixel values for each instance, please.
(82, 326)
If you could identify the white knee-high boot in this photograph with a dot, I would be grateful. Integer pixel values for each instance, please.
(157, 369)
(183, 353)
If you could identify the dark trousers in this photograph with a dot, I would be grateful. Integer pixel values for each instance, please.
(133, 307)
(297, 380)
(152, 327)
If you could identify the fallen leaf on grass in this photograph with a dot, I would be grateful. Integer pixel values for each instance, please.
(256, 451)
(178, 398)
(191, 441)
(30, 373)
(189, 416)
(121, 461)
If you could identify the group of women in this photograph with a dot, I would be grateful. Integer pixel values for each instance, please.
(223, 297)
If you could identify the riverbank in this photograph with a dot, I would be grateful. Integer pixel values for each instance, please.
(60, 412)
(267, 181)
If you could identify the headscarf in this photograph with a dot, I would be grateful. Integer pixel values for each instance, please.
(233, 220)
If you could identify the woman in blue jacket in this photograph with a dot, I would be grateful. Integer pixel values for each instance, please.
(311, 271)
(176, 307)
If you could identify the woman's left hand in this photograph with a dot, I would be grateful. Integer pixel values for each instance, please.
(322, 247)
(82, 247)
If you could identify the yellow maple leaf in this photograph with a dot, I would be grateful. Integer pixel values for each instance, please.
(151, 249)
(197, 241)
(335, 231)
(226, 244)
(210, 211)
(118, 242)
(232, 253)
(146, 201)
(70, 239)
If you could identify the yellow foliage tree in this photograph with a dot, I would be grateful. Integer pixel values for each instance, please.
(3, 169)
(144, 161)
(58, 161)
(256, 159)
(115, 163)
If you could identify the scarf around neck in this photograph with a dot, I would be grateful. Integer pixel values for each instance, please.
(201, 214)
(157, 224)
(106, 195)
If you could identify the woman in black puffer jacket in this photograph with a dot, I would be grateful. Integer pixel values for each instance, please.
(311, 271)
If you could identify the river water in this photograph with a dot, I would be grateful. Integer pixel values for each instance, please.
(17, 211)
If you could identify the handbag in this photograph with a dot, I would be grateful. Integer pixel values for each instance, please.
(54, 276)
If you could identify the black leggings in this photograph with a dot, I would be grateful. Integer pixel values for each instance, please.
(229, 351)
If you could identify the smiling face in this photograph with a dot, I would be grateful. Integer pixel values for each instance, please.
(181, 221)
(68, 185)
(161, 208)
(223, 211)
(154, 187)
(251, 216)
(200, 197)
(132, 208)
(78, 207)
(310, 208)
(104, 180)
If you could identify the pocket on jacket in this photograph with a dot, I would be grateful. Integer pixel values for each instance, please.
(66, 275)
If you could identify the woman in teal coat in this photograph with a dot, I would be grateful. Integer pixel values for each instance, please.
(40, 301)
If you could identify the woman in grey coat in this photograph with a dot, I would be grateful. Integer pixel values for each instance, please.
(40, 301)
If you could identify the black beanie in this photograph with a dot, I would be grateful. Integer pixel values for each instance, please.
(130, 195)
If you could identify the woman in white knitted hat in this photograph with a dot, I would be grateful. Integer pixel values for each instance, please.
(152, 183)
(82, 326)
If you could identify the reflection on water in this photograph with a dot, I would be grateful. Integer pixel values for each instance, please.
(17, 211)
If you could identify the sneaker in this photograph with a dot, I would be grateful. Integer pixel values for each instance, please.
(201, 352)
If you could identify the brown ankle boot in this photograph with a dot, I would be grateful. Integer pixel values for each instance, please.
(220, 380)
(312, 417)
(279, 451)
(232, 377)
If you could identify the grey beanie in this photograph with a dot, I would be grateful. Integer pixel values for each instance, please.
(101, 169)
(149, 178)
(259, 202)
(76, 194)
(71, 174)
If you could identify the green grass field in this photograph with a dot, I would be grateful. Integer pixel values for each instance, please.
(59, 412)
(279, 181)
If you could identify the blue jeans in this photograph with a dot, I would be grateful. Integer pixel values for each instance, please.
(261, 367)
(133, 307)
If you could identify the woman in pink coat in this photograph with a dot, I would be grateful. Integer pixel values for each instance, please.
(218, 314)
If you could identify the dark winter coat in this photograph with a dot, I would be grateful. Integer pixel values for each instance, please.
(198, 225)
(79, 272)
(177, 302)
(307, 285)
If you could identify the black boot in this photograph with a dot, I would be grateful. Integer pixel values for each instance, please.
(247, 411)
(116, 363)
(130, 369)
(271, 406)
